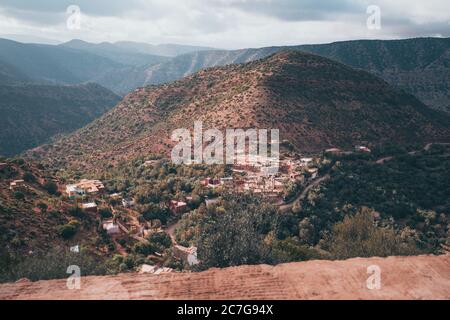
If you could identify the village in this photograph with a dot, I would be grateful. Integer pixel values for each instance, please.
(269, 178)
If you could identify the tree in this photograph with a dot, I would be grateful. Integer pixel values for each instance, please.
(235, 237)
(50, 187)
(19, 195)
(105, 213)
(42, 206)
(159, 240)
(68, 230)
(76, 211)
(29, 177)
(358, 236)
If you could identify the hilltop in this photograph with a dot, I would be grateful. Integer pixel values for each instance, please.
(315, 102)
(420, 66)
(420, 277)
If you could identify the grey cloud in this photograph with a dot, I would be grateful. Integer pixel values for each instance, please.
(94, 7)
(296, 10)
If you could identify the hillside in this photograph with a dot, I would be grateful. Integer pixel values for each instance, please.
(32, 114)
(314, 102)
(420, 277)
(32, 213)
(421, 66)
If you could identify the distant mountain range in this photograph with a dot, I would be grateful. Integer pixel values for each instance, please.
(32, 114)
(314, 101)
(420, 66)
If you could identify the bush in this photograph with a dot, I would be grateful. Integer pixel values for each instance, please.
(68, 230)
(358, 236)
(19, 195)
(52, 265)
(105, 213)
(29, 177)
(42, 206)
(50, 187)
(160, 240)
(76, 211)
(143, 248)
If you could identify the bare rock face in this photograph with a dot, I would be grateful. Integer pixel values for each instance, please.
(420, 277)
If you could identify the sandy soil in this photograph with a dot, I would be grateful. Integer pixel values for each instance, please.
(421, 277)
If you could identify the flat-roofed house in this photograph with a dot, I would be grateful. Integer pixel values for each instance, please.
(84, 187)
(90, 207)
(16, 183)
(111, 227)
(333, 151)
(177, 207)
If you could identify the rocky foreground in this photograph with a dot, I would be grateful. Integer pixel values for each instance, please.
(420, 277)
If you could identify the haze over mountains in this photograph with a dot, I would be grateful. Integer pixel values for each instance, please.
(315, 102)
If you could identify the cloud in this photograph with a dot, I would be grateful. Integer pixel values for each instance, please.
(226, 23)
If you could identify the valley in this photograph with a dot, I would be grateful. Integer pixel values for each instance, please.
(86, 176)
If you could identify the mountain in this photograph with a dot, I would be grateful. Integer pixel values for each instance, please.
(167, 50)
(421, 66)
(11, 75)
(416, 277)
(32, 114)
(54, 64)
(120, 68)
(24, 38)
(116, 53)
(314, 102)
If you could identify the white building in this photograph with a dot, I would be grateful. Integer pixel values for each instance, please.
(111, 227)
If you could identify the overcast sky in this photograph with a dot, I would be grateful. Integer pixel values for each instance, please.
(225, 23)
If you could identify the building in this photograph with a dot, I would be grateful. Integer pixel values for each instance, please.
(295, 175)
(363, 149)
(210, 202)
(151, 162)
(188, 255)
(84, 187)
(16, 183)
(305, 161)
(313, 172)
(177, 207)
(210, 182)
(72, 190)
(333, 151)
(89, 207)
(111, 227)
(127, 202)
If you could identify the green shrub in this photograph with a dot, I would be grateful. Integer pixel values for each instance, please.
(50, 187)
(68, 230)
(19, 195)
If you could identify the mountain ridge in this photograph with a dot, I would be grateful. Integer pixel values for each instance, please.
(315, 102)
